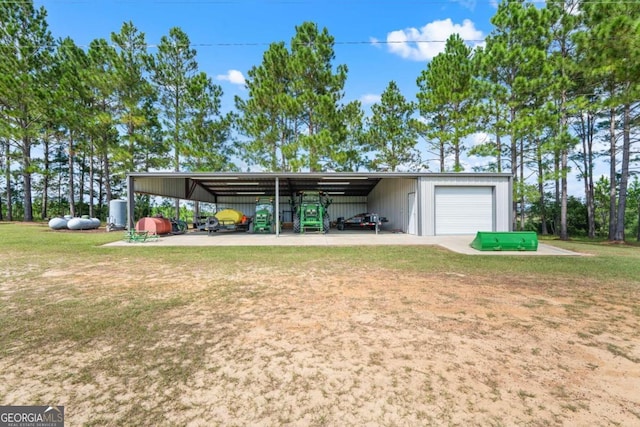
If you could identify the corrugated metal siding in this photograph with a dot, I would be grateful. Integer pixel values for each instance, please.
(390, 199)
(161, 187)
(502, 193)
(244, 204)
(224, 201)
(343, 206)
(201, 194)
(174, 188)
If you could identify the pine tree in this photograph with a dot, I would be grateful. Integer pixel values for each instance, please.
(315, 93)
(392, 132)
(514, 71)
(612, 48)
(206, 129)
(448, 100)
(25, 55)
(173, 68)
(266, 116)
(564, 21)
(102, 82)
(293, 116)
(72, 98)
(349, 155)
(133, 92)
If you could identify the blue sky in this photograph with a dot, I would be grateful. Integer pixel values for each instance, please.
(231, 36)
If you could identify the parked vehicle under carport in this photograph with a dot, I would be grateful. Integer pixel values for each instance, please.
(363, 221)
(228, 220)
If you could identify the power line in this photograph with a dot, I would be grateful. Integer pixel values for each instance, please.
(254, 44)
(270, 2)
(251, 44)
(490, 3)
(356, 42)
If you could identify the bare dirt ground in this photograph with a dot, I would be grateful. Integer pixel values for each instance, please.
(356, 347)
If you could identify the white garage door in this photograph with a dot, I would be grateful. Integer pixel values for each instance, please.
(464, 210)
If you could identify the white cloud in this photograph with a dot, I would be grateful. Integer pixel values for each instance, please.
(233, 76)
(369, 99)
(478, 138)
(494, 3)
(425, 43)
(374, 41)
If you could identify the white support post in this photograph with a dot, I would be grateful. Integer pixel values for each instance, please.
(277, 206)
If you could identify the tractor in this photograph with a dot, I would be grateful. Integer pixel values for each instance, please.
(264, 219)
(310, 211)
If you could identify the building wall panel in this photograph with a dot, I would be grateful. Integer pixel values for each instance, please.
(244, 204)
(172, 188)
(390, 199)
(346, 207)
(502, 193)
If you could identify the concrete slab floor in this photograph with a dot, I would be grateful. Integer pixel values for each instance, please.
(457, 243)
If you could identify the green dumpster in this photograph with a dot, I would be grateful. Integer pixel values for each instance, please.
(505, 241)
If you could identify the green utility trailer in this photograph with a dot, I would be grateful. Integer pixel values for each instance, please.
(264, 218)
(505, 241)
(310, 211)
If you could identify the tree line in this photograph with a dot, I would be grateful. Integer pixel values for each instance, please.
(552, 91)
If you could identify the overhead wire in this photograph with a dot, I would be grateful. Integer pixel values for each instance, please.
(241, 44)
(490, 3)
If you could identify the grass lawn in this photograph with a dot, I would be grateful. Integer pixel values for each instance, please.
(397, 336)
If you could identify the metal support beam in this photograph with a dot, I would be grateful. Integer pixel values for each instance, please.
(419, 185)
(191, 187)
(131, 203)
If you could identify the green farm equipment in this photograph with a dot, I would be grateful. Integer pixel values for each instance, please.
(506, 241)
(310, 212)
(264, 219)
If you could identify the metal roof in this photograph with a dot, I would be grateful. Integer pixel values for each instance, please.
(207, 187)
(288, 185)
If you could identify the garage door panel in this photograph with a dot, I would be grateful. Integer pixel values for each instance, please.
(464, 210)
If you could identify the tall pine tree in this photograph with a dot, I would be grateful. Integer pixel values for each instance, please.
(392, 132)
(448, 100)
(612, 47)
(26, 47)
(173, 68)
(265, 117)
(316, 91)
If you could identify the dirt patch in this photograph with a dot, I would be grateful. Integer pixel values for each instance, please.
(353, 347)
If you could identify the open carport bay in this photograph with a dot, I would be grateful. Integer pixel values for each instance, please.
(421, 204)
(458, 243)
